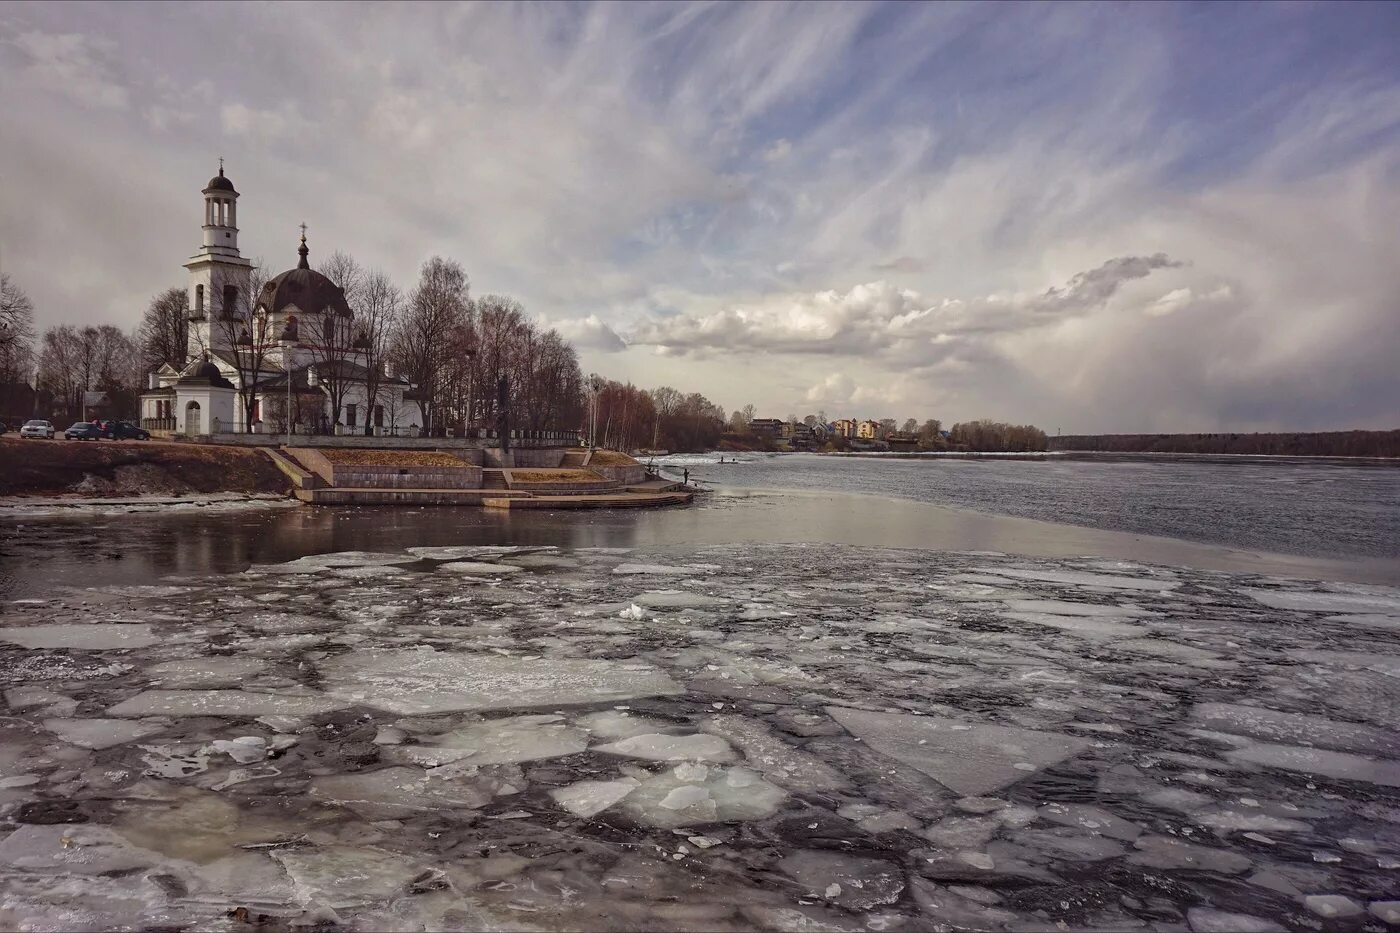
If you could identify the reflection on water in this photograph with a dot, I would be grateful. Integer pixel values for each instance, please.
(36, 556)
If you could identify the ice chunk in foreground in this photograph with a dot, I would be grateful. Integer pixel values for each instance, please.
(1078, 625)
(1061, 607)
(518, 738)
(100, 733)
(780, 762)
(346, 876)
(1315, 761)
(76, 849)
(656, 747)
(474, 569)
(205, 672)
(716, 795)
(588, 798)
(1166, 852)
(1210, 920)
(422, 681)
(846, 880)
(1322, 601)
(677, 599)
(98, 636)
(619, 724)
(223, 703)
(967, 758)
(653, 570)
(1294, 728)
(393, 793)
(1080, 578)
(316, 563)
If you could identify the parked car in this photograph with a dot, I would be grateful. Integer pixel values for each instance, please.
(83, 431)
(123, 430)
(3, 428)
(37, 428)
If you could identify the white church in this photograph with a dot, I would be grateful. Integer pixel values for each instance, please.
(298, 350)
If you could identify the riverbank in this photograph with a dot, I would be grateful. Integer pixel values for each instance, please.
(119, 469)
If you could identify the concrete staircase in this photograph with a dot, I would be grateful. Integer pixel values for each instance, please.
(494, 479)
(575, 459)
(301, 477)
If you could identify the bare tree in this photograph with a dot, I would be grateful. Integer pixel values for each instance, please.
(377, 313)
(436, 308)
(16, 331)
(163, 334)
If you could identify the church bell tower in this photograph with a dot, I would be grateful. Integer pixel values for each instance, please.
(219, 276)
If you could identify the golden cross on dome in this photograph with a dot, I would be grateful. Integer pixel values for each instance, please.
(303, 231)
(221, 165)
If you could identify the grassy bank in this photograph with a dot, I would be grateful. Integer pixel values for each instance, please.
(131, 468)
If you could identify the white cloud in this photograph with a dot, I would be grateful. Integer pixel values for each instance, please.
(586, 333)
(879, 317)
(75, 65)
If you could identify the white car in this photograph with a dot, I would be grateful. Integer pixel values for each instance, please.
(37, 428)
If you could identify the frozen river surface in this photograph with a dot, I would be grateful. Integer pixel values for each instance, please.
(769, 736)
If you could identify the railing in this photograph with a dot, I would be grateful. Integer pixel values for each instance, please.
(158, 424)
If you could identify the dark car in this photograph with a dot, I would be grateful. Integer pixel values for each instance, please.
(3, 428)
(123, 430)
(83, 431)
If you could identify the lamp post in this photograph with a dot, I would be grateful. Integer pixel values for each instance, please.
(595, 385)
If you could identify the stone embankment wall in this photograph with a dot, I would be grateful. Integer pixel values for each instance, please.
(621, 475)
(388, 476)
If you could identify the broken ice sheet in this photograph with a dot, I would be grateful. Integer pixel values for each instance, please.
(96, 636)
(1318, 762)
(1081, 578)
(1295, 728)
(677, 599)
(967, 758)
(691, 794)
(509, 740)
(425, 681)
(655, 747)
(398, 792)
(205, 672)
(338, 877)
(238, 703)
(1381, 600)
(589, 798)
(100, 733)
(475, 569)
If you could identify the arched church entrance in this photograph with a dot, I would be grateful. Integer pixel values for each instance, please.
(192, 419)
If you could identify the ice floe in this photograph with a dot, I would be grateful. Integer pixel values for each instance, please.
(428, 681)
(233, 703)
(966, 758)
(80, 637)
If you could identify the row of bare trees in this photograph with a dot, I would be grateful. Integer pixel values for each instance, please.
(457, 350)
(629, 418)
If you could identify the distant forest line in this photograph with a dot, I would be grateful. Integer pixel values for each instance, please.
(1286, 444)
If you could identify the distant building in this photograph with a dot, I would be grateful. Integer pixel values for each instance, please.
(802, 436)
(845, 427)
(900, 440)
(868, 430)
(771, 428)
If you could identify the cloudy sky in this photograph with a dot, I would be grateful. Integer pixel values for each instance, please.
(1090, 217)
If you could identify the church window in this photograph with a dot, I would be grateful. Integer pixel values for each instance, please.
(350, 415)
(199, 297)
(230, 298)
(379, 416)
